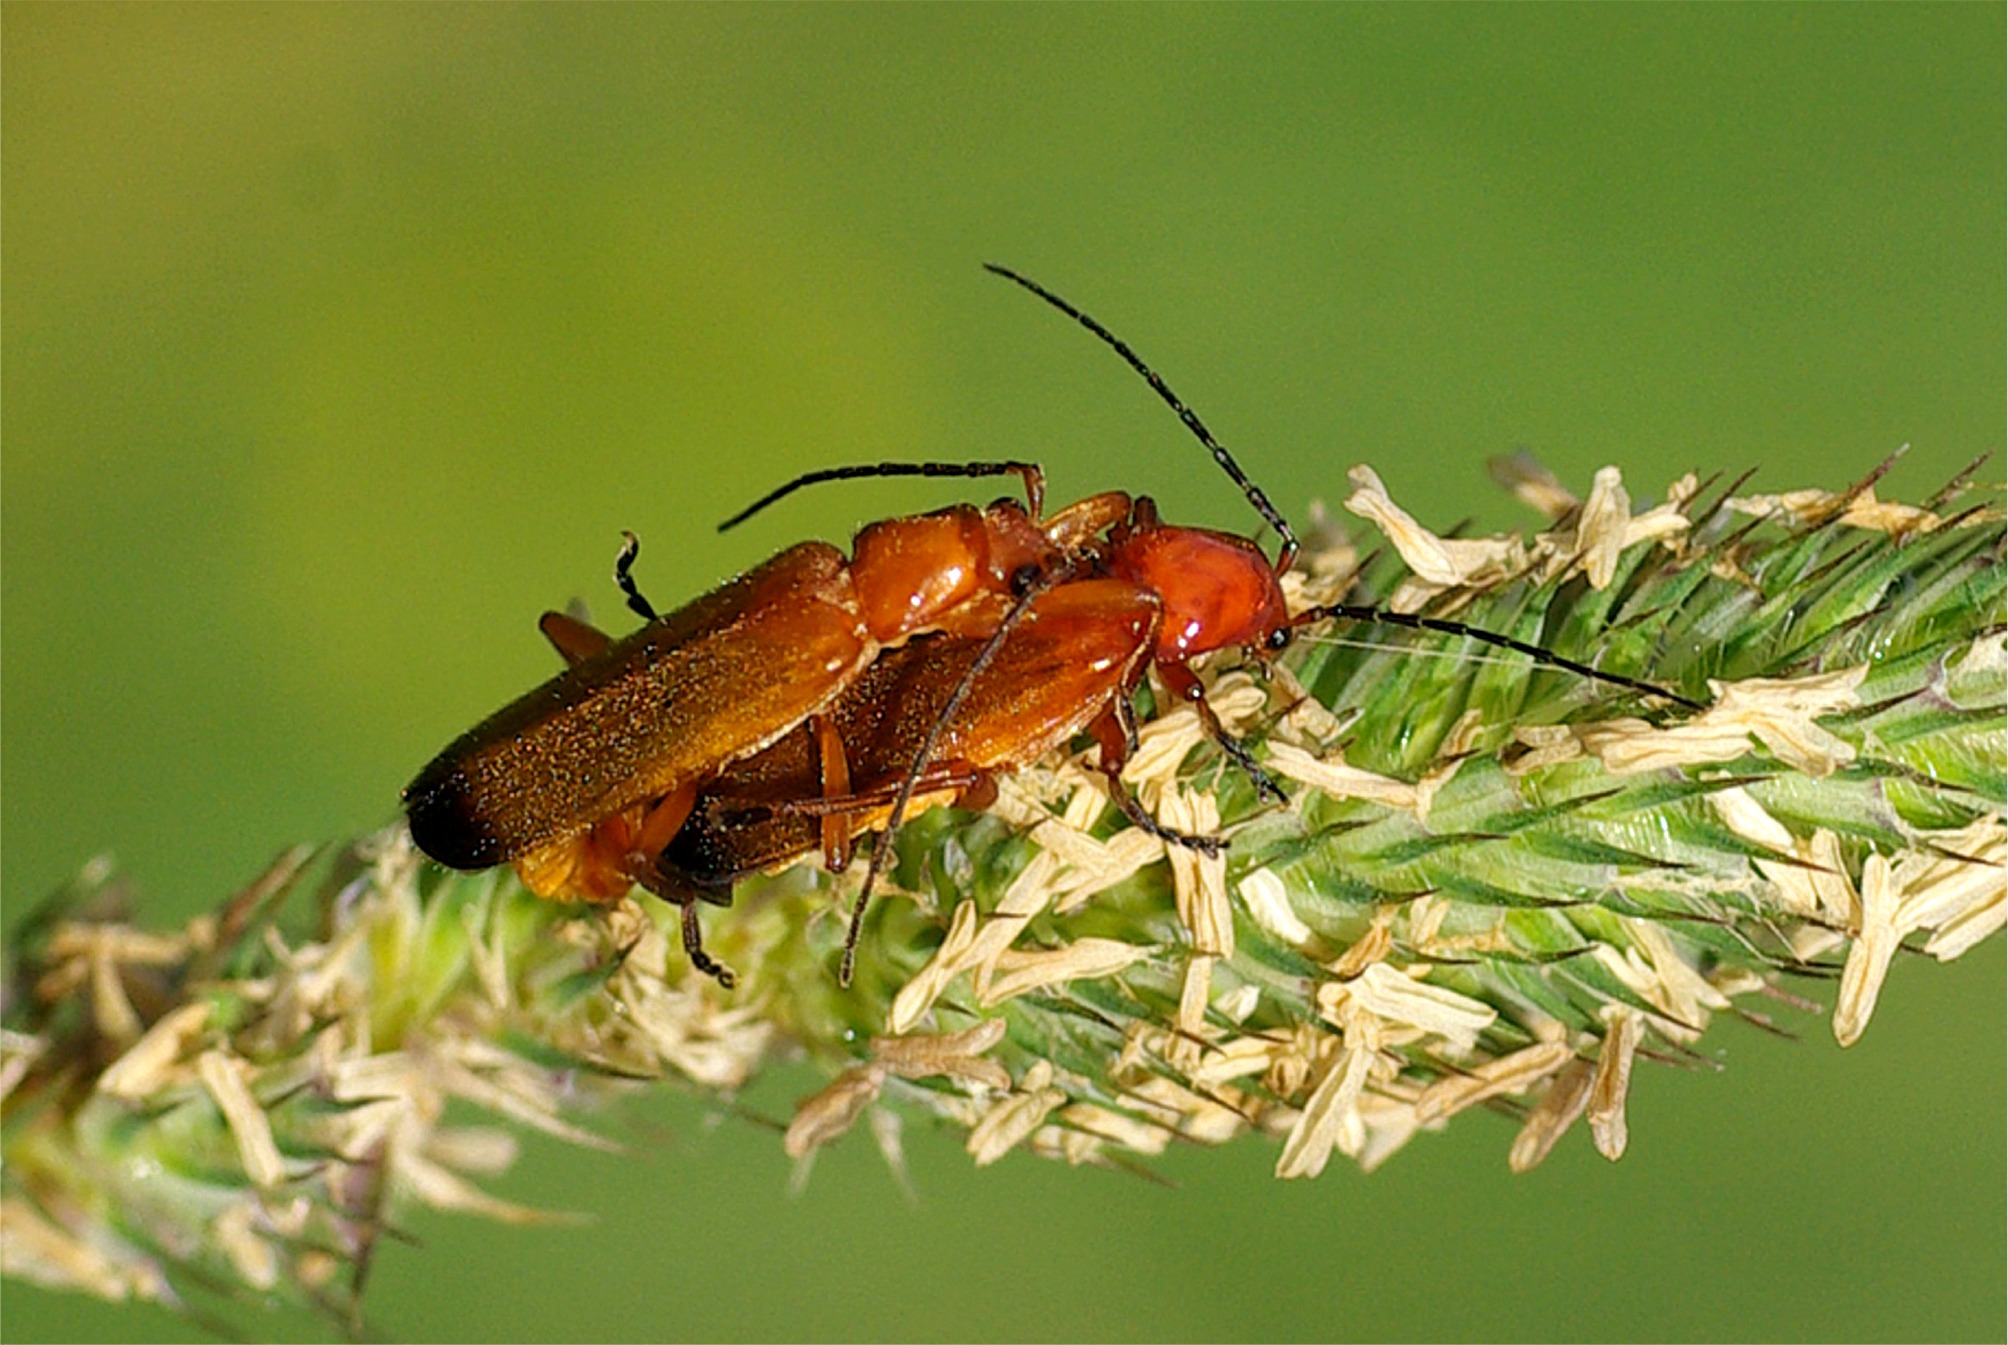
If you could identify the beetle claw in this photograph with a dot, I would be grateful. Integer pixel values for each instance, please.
(693, 947)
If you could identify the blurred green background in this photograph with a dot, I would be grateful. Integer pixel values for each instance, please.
(341, 341)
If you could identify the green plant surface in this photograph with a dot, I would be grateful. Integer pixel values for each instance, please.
(1527, 897)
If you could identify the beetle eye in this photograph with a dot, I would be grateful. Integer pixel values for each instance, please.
(1024, 579)
(1279, 639)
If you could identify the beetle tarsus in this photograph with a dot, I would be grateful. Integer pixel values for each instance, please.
(1125, 713)
(1237, 751)
(693, 947)
(623, 563)
(1265, 783)
(1140, 818)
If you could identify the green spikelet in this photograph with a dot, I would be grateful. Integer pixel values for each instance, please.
(1494, 884)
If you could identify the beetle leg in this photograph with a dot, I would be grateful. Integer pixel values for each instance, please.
(1124, 710)
(835, 771)
(1184, 684)
(839, 806)
(942, 777)
(1115, 732)
(589, 867)
(624, 562)
(660, 825)
(1078, 525)
(575, 640)
(1140, 818)
(645, 839)
(979, 793)
(684, 897)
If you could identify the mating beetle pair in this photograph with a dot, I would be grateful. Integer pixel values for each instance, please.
(817, 697)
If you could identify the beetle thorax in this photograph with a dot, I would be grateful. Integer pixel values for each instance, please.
(928, 571)
(1218, 590)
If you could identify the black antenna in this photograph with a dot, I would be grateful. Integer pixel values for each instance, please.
(1185, 413)
(1376, 616)
(883, 849)
(1029, 472)
(1274, 519)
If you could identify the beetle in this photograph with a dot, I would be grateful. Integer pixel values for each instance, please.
(584, 782)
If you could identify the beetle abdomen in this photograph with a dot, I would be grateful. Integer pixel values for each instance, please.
(659, 710)
(446, 820)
